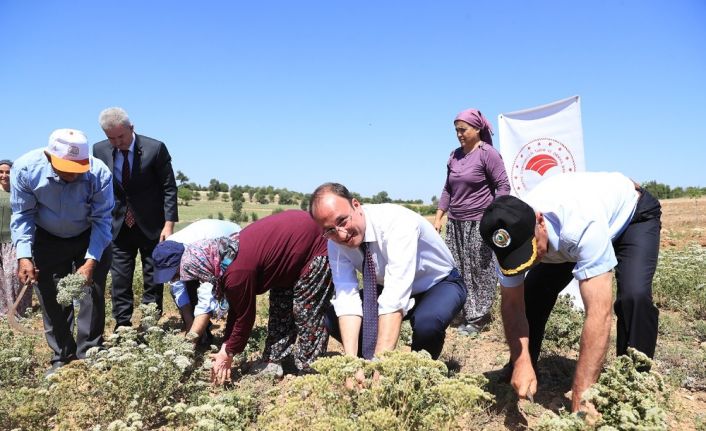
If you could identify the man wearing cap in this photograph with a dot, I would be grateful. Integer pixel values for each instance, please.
(406, 266)
(580, 225)
(145, 206)
(61, 203)
(195, 300)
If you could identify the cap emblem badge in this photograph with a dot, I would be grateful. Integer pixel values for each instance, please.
(501, 238)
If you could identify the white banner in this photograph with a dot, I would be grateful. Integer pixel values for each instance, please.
(539, 142)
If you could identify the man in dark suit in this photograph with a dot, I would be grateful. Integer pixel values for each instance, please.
(145, 206)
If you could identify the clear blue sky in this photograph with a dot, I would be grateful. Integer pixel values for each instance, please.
(292, 94)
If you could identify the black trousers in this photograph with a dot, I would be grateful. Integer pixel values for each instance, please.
(125, 247)
(636, 250)
(432, 313)
(56, 257)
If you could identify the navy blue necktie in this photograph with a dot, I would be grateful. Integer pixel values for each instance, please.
(370, 304)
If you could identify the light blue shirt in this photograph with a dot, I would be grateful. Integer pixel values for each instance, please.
(409, 255)
(583, 212)
(40, 198)
(118, 161)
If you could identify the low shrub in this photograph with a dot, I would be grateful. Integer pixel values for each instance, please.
(629, 395)
(563, 330)
(233, 410)
(139, 371)
(413, 392)
(680, 281)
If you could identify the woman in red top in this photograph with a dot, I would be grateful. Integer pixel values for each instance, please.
(285, 254)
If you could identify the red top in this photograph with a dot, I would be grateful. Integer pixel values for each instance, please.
(274, 252)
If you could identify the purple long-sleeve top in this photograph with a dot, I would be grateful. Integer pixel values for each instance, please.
(474, 180)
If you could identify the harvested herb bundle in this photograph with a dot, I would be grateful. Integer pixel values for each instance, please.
(69, 288)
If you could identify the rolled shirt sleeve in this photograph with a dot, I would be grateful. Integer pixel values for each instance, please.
(593, 250)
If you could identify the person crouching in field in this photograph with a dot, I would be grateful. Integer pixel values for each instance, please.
(579, 225)
(284, 254)
(194, 300)
(408, 273)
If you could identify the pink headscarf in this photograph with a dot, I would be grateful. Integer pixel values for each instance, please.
(477, 120)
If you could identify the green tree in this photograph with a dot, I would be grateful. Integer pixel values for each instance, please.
(181, 178)
(304, 203)
(381, 198)
(658, 190)
(253, 216)
(237, 207)
(185, 194)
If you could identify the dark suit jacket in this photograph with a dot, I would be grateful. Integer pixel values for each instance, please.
(152, 190)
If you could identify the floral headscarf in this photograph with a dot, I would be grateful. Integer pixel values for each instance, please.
(207, 260)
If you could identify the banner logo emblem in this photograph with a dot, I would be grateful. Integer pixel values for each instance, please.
(539, 159)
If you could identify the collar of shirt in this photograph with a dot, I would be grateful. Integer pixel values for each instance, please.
(369, 230)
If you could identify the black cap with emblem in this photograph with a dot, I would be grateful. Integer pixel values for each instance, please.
(507, 227)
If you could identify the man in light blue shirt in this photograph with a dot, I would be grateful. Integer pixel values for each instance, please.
(61, 202)
(580, 225)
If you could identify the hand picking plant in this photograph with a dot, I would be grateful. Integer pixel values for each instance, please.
(71, 287)
(629, 395)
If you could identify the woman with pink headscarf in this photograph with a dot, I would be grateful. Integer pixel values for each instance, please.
(475, 176)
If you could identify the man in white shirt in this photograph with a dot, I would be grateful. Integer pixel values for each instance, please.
(414, 270)
(581, 225)
(195, 301)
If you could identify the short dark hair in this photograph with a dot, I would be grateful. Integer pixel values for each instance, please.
(335, 188)
(6, 162)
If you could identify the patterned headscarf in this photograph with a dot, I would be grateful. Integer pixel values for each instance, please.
(207, 260)
(477, 120)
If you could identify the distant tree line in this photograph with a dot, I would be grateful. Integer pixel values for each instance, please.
(238, 194)
(663, 191)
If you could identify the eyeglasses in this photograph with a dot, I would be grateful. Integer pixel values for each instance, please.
(340, 227)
